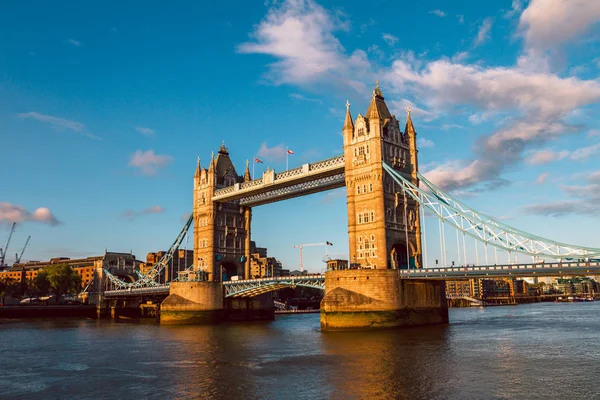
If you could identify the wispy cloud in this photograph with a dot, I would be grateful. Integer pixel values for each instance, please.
(149, 163)
(74, 42)
(545, 156)
(145, 131)
(10, 213)
(584, 200)
(461, 18)
(59, 123)
(299, 96)
(390, 39)
(424, 143)
(439, 13)
(483, 33)
(541, 179)
(133, 214)
(275, 153)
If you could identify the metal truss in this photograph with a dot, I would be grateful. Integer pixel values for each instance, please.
(300, 189)
(484, 228)
(150, 278)
(255, 287)
(579, 268)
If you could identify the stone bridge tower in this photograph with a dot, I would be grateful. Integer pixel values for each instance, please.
(221, 230)
(383, 225)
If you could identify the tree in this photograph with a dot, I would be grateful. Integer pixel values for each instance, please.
(40, 285)
(9, 287)
(63, 280)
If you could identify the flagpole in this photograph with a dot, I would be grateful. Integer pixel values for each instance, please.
(286, 158)
(253, 164)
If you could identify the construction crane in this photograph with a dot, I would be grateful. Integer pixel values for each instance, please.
(301, 246)
(17, 255)
(3, 252)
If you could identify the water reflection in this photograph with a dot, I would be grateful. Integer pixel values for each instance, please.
(500, 352)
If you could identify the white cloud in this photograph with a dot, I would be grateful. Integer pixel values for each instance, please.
(10, 213)
(132, 214)
(416, 111)
(459, 57)
(484, 31)
(546, 25)
(424, 143)
(390, 39)
(517, 7)
(275, 153)
(439, 13)
(447, 127)
(585, 200)
(300, 34)
(74, 42)
(149, 163)
(58, 123)
(594, 133)
(584, 153)
(299, 96)
(145, 131)
(541, 179)
(461, 18)
(545, 157)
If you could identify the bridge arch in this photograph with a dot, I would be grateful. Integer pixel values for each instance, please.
(255, 287)
(398, 255)
(229, 269)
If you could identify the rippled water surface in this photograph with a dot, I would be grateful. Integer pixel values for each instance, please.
(549, 351)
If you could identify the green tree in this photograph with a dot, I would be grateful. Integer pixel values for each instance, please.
(40, 285)
(9, 287)
(63, 280)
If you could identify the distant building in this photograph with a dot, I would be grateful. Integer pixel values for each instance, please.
(337, 264)
(521, 287)
(118, 263)
(460, 287)
(182, 259)
(261, 265)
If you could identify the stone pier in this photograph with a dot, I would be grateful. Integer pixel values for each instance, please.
(193, 303)
(366, 299)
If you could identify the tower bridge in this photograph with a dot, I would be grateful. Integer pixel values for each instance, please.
(386, 197)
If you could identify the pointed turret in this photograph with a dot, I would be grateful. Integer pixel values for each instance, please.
(411, 137)
(198, 170)
(247, 176)
(377, 108)
(211, 167)
(348, 124)
(409, 129)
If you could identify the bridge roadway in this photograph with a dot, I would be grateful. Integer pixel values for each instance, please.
(306, 179)
(253, 287)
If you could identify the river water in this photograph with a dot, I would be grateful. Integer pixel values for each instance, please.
(545, 351)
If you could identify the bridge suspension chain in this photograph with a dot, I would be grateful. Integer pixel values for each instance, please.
(484, 228)
(149, 279)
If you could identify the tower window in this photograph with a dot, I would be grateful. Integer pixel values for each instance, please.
(370, 187)
(357, 189)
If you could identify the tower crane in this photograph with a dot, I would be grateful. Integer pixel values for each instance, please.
(3, 252)
(301, 246)
(17, 255)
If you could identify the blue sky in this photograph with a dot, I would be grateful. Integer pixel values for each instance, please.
(104, 109)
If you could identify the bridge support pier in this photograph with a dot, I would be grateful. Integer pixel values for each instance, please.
(192, 303)
(367, 299)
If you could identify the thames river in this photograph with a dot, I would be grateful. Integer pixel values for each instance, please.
(545, 351)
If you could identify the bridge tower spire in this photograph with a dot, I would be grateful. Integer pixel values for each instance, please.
(383, 233)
